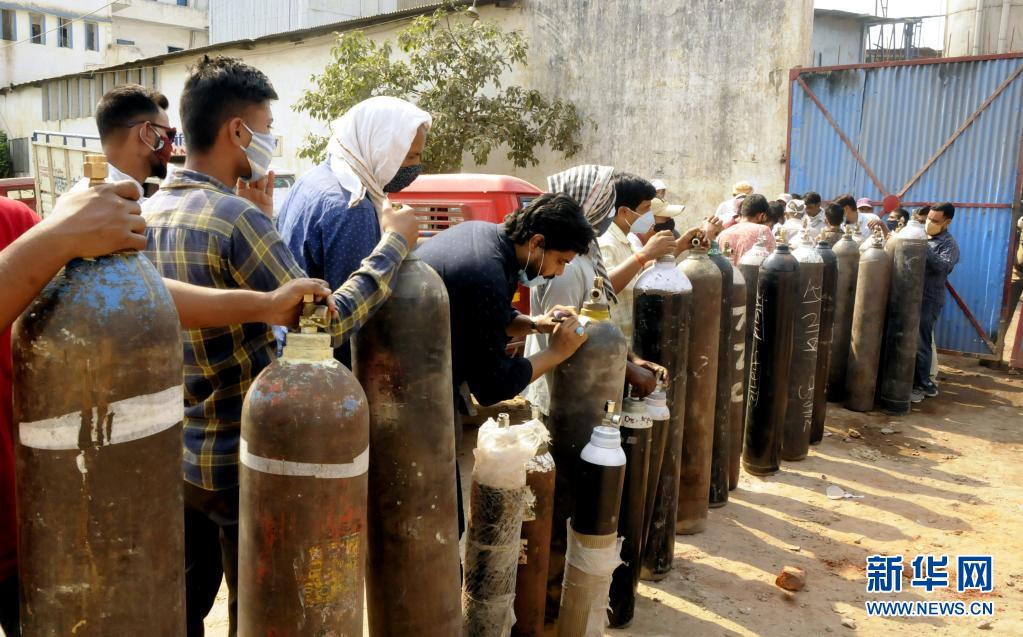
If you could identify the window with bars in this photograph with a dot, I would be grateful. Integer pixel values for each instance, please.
(37, 24)
(8, 24)
(64, 33)
(91, 36)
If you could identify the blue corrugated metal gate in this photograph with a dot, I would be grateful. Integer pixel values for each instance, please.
(925, 130)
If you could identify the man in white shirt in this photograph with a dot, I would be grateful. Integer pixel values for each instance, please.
(813, 213)
(729, 208)
(136, 135)
(859, 213)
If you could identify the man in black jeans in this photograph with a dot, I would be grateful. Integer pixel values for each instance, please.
(942, 257)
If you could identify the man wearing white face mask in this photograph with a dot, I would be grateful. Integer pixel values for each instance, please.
(199, 231)
(330, 219)
(942, 257)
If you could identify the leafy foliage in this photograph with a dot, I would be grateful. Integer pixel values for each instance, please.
(6, 163)
(452, 67)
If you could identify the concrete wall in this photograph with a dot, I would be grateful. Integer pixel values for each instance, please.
(700, 111)
(960, 27)
(836, 41)
(27, 61)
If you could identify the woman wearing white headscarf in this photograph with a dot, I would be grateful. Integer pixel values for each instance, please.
(330, 219)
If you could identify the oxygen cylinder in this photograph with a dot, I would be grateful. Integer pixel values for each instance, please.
(847, 254)
(580, 388)
(737, 367)
(749, 266)
(303, 487)
(805, 344)
(636, 431)
(661, 300)
(701, 392)
(593, 546)
(902, 327)
(531, 577)
(868, 316)
(657, 409)
(772, 354)
(722, 449)
(98, 406)
(403, 360)
(829, 280)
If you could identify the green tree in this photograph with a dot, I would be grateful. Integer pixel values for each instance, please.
(6, 163)
(452, 68)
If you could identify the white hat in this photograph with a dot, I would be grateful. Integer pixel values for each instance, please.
(659, 185)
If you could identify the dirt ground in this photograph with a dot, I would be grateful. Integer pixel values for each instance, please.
(948, 481)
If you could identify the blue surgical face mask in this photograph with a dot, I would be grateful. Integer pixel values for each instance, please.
(403, 178)
(524, 277)
(259, 153)
(643, 223)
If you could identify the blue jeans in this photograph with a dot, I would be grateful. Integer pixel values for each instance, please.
(929, 313)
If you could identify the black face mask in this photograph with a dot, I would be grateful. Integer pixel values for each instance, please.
(403, 178)
(665, 225)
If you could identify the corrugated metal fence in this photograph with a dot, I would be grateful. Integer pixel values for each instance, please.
(928, 130)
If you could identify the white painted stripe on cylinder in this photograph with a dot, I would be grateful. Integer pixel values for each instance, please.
(356, 467)
(130, 419)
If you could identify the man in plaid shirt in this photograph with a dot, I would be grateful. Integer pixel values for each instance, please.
(201, 232)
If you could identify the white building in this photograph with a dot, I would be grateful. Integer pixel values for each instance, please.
(48, 38)
(249, 19)
(983, 27)
(691, 110)
(839, 37)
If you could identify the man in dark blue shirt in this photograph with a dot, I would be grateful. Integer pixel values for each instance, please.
(942, 257)
(481, 265)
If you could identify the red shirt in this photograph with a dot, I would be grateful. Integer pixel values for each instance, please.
(15, 219)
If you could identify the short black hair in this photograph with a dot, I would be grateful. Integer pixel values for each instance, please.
(903, 214)
(216, 90)
(632, 190)
(811, 198)
(753, 205)
(834, 214)
(922, 211)
(558, 218)
(126, 105)
(944, 208)
(846, 200)
(776, 211)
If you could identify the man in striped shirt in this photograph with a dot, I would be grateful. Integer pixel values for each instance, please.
(201, 232)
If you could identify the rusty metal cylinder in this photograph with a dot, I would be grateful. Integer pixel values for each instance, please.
(737, 365)
(580, 388)
(874, 277)
(902, 328)
(661, 319)
(403, 361)
(749, 267)
(701, 392)
(805, 345)
(98, 406)
(636, 430)
(847, 254)
(829, 280)
(593, 550)
(303, 488)
(531, 577)
(772, 354)
(722, 449)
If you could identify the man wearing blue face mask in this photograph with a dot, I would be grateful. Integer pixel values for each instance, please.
(200, 231)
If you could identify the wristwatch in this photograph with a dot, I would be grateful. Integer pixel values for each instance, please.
(533, 325)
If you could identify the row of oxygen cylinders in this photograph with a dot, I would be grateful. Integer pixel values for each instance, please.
(347, 479)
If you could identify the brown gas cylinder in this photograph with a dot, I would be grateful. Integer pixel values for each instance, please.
(847, 253)
(580, 388)
(701, 392)
(402, 359)
(302, 519)
(531, 577)
(875, 272)
(737, 367)
(720, 459)
(98, 406)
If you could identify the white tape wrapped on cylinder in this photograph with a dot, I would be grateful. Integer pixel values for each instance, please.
(495, 525)
(590, 561)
